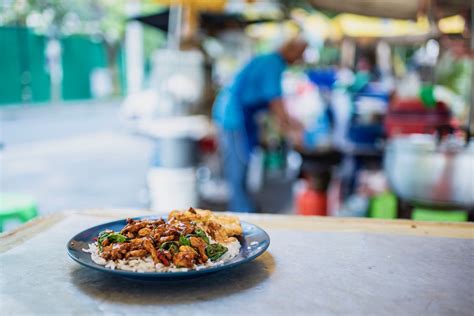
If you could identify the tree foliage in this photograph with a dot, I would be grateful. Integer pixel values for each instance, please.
(102, 18)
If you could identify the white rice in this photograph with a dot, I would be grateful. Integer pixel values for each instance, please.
(146, 264)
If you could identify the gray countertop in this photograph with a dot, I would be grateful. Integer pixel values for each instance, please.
(313, 266)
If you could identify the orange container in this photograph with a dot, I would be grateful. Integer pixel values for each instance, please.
(311, 202)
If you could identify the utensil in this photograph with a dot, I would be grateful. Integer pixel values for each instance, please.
(254, 243)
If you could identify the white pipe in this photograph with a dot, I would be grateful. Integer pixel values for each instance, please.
(174, 27)
(134, 49)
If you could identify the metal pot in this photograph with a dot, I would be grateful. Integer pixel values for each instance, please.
(176, 139)
(422, 172)
(175, 152)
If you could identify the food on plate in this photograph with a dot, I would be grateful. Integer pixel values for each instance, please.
(192, 239)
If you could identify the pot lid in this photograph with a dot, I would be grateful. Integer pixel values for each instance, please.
(427, 142)
(194, 127)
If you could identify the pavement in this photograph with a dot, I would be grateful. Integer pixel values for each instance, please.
(71, 156)
(81, 155)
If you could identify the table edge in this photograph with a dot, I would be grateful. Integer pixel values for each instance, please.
(267, 221)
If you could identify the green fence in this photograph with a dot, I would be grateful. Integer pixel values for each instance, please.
(80, 56)
(24, 73)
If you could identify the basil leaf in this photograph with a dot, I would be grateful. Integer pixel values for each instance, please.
(102, 236)
(111, 236)
(116, 237)
(170, 245)
(215, 251)
(184, 241)
(174, 248)
(202, 234)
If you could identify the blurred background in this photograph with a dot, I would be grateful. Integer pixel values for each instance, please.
(108, 103)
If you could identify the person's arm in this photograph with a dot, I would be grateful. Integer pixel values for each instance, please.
(291, 127)
(272, 91)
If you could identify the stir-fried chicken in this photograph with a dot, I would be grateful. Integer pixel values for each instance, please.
(144, 232)
(148, 245)
(134, 227)
(136, 253)
(166, 238)
(115, 251)
(185, 258)
(183, 240)
(200, 245)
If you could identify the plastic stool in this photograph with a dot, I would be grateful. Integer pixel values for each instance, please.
(16, 206)
(384, 206)
(423, 214)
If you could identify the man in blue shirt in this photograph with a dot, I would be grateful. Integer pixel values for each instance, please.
(256, 88)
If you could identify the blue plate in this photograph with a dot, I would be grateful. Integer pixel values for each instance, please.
(253, 243)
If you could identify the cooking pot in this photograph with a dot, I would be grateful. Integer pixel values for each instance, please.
(175, 152)
(176, 139)
(422, 170)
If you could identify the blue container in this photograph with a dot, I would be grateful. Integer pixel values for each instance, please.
(366, 134)
(323, 78)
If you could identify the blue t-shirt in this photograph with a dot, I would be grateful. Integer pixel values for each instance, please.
(252, 90)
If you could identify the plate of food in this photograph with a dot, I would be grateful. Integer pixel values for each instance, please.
(184, 244)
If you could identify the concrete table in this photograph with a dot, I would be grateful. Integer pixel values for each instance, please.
(314, 265)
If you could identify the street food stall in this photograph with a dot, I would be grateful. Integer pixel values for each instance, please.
(379, 123)
(373, 144)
